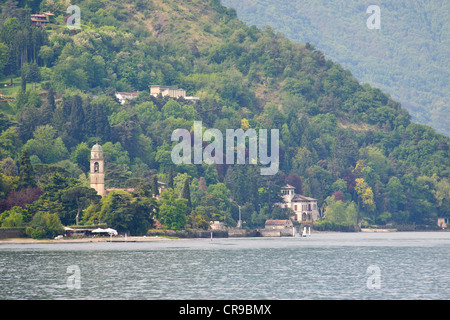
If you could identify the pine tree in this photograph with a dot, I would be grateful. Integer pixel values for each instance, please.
(26, 175)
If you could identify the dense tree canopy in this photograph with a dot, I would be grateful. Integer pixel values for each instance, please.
(338, 139)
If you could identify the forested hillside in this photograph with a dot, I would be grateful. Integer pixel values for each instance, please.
(408, 57)
(348, 145)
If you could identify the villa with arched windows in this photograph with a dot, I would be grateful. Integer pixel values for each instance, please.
(305, 208)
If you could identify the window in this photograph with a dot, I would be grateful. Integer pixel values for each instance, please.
(295, 207)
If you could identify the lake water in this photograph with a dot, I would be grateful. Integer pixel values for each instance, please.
(398, 265)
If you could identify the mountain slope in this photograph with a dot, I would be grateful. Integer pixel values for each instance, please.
(337, 137)
(407, 57)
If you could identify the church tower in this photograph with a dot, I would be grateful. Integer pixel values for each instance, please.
(97, 170)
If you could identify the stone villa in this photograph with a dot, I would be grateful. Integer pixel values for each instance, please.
(305, 208)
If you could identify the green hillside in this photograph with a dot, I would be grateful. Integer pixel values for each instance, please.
(408, 57)
(349, 145)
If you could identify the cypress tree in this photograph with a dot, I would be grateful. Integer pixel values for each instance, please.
(48, 108)
(89, 121)
(76, 118)
(23, 79)
(186, 193)
(155, 185)
(26, 175)
(170, 178)
(102, 126)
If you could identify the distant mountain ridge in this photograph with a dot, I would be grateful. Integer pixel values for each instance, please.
(408, 57)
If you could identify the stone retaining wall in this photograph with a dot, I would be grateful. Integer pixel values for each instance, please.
(6, 233)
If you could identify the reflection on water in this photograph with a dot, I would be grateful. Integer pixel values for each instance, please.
(323, 266)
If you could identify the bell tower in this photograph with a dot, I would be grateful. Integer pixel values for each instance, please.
(97, 170)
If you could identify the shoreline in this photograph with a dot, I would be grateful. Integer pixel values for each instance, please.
(169, 238)
(88, 240)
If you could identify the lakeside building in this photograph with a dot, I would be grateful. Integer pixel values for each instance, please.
(278, 224)
(278, 228)
(443, 222)
(217, 225)
(305, 208)
(97, 174)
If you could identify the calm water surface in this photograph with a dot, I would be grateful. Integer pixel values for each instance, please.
(409, 265)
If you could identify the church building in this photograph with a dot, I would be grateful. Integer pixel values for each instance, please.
(97, 173)
(98, 170)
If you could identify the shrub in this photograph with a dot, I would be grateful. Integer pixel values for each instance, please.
(325, 225)
(44, 226)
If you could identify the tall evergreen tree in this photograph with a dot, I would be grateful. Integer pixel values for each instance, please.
(170, 178)
(155, 189)
(186, 193)
(23, 78)
(26, 175)
(103, 128)
(76, 118)
(48, 108)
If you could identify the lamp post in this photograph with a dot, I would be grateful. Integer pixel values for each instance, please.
(239, 224)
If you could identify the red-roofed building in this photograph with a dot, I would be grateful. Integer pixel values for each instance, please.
(38, 20)
(41, 19)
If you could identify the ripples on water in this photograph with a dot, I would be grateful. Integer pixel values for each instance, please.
(323, 266)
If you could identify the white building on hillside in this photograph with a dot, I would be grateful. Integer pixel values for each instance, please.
(305, 208)
(124, 96)
(172, 92)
